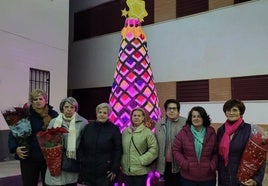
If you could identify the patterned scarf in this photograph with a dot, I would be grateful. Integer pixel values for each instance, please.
(198, 140)
(44, 114)
(230, 128)
(71, 138)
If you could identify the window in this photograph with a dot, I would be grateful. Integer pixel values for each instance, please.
(40, 79)
(250, 87)
(189, 91)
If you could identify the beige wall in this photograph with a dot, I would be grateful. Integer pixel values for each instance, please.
(33, 34)
(219, 92)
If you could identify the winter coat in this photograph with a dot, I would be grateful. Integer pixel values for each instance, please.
(36, 124)
(67, 177)
(184, 153)
(135, 161)
(160, 134)
(100, 150)
(227, 175)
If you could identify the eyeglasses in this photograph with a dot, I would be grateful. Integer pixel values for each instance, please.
(172, 108)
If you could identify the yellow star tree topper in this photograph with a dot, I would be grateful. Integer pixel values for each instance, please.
(136, 9)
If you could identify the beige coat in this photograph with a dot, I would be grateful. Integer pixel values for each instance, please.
(134, 162)
(160, 133)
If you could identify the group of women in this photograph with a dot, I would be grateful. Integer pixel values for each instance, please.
(201, 154)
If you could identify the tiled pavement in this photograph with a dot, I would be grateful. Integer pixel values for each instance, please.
(10, 174)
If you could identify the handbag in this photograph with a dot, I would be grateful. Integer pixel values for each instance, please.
(69, 164)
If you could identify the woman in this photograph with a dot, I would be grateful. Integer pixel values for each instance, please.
(232, 137)
(139, 149)
(74, 123)
(195, 150)
(165, 132)
(100, 150)
(32, 163)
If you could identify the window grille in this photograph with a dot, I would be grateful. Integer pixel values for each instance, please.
(40, 79)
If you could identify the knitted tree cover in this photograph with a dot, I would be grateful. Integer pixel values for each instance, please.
(133, 84)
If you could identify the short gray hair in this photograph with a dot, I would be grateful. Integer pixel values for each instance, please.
(104, 105)
(69, 100)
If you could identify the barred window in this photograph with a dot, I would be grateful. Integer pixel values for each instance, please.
(40, 79)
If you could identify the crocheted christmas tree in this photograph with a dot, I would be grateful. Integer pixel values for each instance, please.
(133, 84)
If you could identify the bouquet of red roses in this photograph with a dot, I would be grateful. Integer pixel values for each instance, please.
(50, 142)
(17, 121)
(254, 154)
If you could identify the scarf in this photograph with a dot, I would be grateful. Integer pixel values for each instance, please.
(44, 114)
(198, 140)
(168, 141)
(71, 136)
(230, 128)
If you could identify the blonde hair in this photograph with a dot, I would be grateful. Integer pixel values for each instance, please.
(36, 93)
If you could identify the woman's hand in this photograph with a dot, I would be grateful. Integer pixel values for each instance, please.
(250, 182)
(21, 152)
(111, 175)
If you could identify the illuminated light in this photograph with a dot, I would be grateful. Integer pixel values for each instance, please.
(129, 50)
(130, 63)
(142, 51)
(125, 98)
(134, 76)
(123, 44)
(130, 36)
(112, 100)
(132, 92)
(131, 77)
(145, 65)
(118, 78)
(124, 70)
(136, 43)
(137, 56)
(118, 93)
(123, 57)
(124, 85)
(118, 107)
(146, 76)
(133, 84)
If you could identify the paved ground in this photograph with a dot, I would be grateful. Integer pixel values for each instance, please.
(10, 174)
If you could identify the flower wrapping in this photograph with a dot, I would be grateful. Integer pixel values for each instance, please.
(18, 123)
(50, 142)
(254, 154)
(16, 118)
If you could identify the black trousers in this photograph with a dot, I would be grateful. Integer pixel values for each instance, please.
(71, 184)
(31, 171)
(171, 179)
(99, 181)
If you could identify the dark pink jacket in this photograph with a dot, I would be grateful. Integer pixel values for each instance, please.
(185, 156)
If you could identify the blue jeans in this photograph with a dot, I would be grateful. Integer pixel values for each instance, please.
(185, 182)
(136, 180)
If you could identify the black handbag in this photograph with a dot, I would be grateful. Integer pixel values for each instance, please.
(68, 164)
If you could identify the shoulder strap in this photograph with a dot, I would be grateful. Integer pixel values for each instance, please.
(135, 146)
